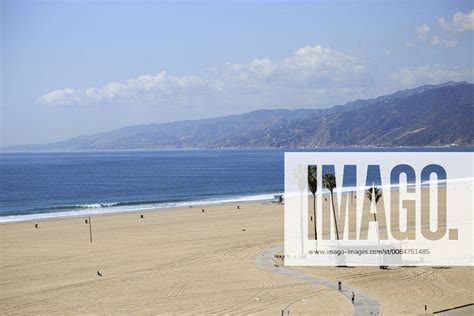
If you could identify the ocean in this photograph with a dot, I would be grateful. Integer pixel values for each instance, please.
(46, 185)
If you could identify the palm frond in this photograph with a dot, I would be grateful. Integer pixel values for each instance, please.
(312, 179)
(329, 181)
(374, 193)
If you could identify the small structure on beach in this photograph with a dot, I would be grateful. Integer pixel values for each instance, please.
(277, 199)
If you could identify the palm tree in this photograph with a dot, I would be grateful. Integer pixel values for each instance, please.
(329, 182)
(374, 194)
(313, 187)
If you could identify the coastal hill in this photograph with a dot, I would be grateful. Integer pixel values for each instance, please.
(430, 115)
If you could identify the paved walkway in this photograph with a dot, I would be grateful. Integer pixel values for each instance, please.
(364, 304)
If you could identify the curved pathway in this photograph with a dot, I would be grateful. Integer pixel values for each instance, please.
(364, 304)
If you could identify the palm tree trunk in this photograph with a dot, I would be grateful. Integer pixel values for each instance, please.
(314, 216)
(378, 235)
(334, 213)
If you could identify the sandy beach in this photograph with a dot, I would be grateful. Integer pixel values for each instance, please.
(269, 158)
(184, 261)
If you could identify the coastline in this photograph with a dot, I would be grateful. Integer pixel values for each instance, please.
(98, 209)
(134, 208)
(363, 148)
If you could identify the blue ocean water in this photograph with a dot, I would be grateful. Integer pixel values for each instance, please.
(36, 185)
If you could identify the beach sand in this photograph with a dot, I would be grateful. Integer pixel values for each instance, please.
(183, 261)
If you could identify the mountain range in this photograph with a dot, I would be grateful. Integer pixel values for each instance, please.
(430, 115)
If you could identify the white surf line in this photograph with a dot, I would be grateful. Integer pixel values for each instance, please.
(364, 304)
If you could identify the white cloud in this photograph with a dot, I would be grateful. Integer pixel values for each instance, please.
(438, 41)
(66, 96)
(309, 76)
(158, 85)
(459, 22)
(432, 74)
(422, 30)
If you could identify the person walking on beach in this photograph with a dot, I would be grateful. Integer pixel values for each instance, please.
(339, 285)
(353, 297)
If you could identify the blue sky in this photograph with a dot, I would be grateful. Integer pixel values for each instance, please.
(74, 68)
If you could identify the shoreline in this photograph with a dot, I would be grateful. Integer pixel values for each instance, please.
(133, 207)
(110, 211)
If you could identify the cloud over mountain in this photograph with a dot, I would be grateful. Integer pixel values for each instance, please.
(310, 72)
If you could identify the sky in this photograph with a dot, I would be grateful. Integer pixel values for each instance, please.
(71, 68)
